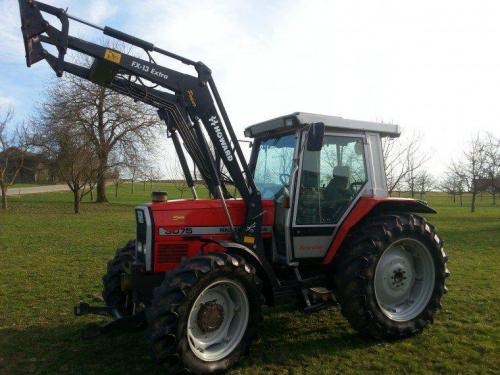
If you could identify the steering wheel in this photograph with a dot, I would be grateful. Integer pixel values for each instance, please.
(285, 178)
(281, 192)
(267, 193)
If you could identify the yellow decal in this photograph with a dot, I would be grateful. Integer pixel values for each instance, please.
(177, 218)
(249, 239)
(113, 56)
(190, 95)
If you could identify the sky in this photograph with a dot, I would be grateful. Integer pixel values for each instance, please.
(432, 67)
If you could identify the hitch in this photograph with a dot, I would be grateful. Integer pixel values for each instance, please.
(133, 322)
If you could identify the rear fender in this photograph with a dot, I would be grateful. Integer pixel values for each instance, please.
(402, 205)
(366, 207)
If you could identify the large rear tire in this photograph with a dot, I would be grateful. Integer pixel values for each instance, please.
(204, 315)
(112, 293)
(390, 276)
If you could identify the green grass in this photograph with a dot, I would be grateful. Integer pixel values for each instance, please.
(51, 258)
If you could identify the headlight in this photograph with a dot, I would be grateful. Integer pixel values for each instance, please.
(143, 235)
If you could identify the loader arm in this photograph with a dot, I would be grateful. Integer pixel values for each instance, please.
(190, 104)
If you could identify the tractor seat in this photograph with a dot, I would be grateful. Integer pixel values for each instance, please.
(337, 188)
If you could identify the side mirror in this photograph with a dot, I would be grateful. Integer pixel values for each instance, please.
(315, 136)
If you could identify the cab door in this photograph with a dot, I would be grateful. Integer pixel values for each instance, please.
(329, 182)
(275, 162)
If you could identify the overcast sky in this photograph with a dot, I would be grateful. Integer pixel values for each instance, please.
(430, 66)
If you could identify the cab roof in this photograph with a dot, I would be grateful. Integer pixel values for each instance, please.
(299, 119)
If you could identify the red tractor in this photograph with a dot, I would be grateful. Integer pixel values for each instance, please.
(313, 222)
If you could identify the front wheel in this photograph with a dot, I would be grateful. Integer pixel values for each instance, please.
(390, 276)
(112, 293)
(205, 313)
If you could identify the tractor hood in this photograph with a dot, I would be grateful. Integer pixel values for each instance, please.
(181, 227)
(204, 212)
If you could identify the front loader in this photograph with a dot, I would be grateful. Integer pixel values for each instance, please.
(312, 225)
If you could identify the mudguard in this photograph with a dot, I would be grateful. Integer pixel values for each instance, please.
(368, 206)
(262, 267)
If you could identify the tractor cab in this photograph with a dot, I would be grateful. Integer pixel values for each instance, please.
(315, 168)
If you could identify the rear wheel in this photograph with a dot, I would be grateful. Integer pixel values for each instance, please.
(204, 316)
(120, 301)
(390, 276)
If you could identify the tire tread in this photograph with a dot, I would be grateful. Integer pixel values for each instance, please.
(354, 268)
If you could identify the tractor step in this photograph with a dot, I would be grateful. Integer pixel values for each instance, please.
(318, 307)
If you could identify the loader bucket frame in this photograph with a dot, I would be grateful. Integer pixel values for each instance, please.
(186, 103)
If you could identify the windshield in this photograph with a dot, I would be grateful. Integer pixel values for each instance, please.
(274, 165)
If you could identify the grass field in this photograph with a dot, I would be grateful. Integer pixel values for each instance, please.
(51, 258)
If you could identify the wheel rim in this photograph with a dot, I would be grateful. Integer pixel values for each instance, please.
(404, 279)
(218, 320)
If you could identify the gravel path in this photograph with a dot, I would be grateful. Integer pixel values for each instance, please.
(37, 189)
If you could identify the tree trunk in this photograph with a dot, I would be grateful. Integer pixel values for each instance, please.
(4, 198)
(144, 185)
(132, 187)
(461, 202)
(101, 190)
(101, 179)
(76, 201)
(116, 190)
(473, 203)
(494, 198)
(92, 195)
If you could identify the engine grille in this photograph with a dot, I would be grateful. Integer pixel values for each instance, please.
(171, 253)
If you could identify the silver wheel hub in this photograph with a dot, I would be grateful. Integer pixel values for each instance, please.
(398, 276)
(218, 320)
(404, 279)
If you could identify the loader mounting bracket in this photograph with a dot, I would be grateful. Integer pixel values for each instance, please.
(134, 322)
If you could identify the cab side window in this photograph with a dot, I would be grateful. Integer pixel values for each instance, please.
(330, 180)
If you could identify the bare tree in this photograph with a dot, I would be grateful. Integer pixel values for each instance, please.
(134, 164)
(149, 174)
(424, 182)
(116, 176)
(403, 157)
(411, 181)
(12, 152)
(152, 174)
(135, 170)
(454, 185)
(448, 185)
(144, 178)
(471, 168)
(492, 166)
(175, 176)
(112, 122)
(69, 152)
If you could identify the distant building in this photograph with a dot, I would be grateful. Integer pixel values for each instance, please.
(36, 168)
(488, 185)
